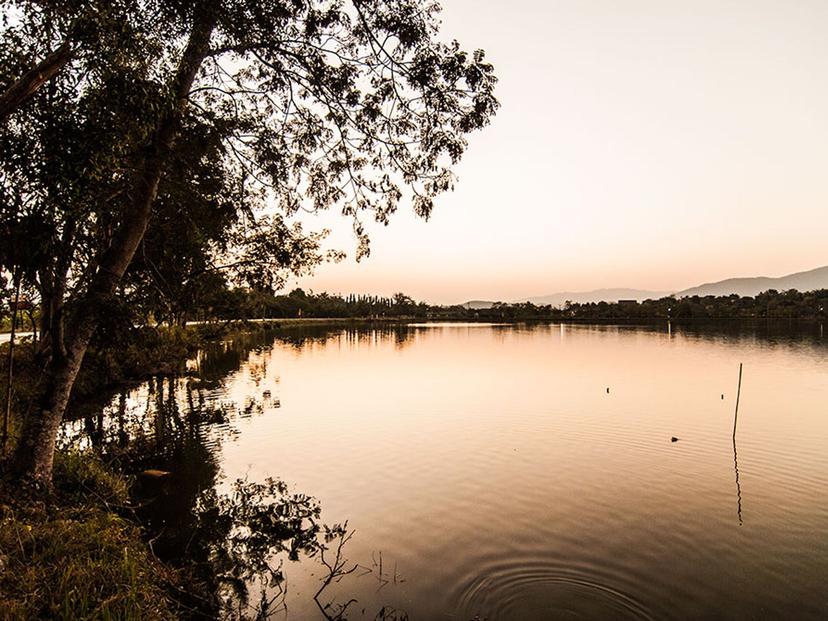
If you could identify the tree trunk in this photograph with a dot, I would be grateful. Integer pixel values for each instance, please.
(31, 81)
(35, 451)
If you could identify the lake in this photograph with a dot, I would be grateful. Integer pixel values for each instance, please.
(524, 472)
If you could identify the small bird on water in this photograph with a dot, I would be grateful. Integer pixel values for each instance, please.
(607, 389)
(674, 439)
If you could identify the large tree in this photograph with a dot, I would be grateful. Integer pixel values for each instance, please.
(228, 116)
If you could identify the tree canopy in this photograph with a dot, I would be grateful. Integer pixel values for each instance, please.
(189, 135)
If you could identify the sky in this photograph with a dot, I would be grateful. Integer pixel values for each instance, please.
(647, 144)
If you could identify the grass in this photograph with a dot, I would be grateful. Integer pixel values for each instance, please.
(89, 566)
(70, 555)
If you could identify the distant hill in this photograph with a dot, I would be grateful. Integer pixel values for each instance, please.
(801, 281)
(598, 295)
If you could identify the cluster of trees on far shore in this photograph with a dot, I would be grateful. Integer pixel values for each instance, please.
(772, 304)
(246, 304)
(226, 304)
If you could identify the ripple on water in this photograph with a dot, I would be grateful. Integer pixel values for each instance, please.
(528, 589)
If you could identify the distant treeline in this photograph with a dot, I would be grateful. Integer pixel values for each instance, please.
(225, 304)
(243, 303)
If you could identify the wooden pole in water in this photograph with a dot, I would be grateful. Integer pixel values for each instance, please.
(738, 394)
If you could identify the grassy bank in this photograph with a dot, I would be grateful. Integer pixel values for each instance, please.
(74, 553)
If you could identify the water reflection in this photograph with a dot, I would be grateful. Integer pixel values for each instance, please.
(491, 468)
(735, 459)
(234, 538)
(738, 487)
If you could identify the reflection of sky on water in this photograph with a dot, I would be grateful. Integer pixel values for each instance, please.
(497, 476)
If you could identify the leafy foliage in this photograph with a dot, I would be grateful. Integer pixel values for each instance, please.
(191, 134)
(299, 105)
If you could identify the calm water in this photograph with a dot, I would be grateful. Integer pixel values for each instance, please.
(493, 474)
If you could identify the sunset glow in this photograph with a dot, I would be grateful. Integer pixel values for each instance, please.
(646, 144)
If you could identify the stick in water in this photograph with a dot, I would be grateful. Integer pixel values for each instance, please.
(738, 394)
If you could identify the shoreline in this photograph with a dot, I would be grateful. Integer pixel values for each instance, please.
(291, 322)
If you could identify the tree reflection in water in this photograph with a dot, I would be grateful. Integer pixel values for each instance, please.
(232, 544)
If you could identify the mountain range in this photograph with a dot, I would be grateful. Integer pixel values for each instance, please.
(802, 281)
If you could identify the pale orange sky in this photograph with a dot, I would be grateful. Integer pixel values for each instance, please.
(651, 144)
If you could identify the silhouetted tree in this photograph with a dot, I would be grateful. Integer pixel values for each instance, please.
(302, 104)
